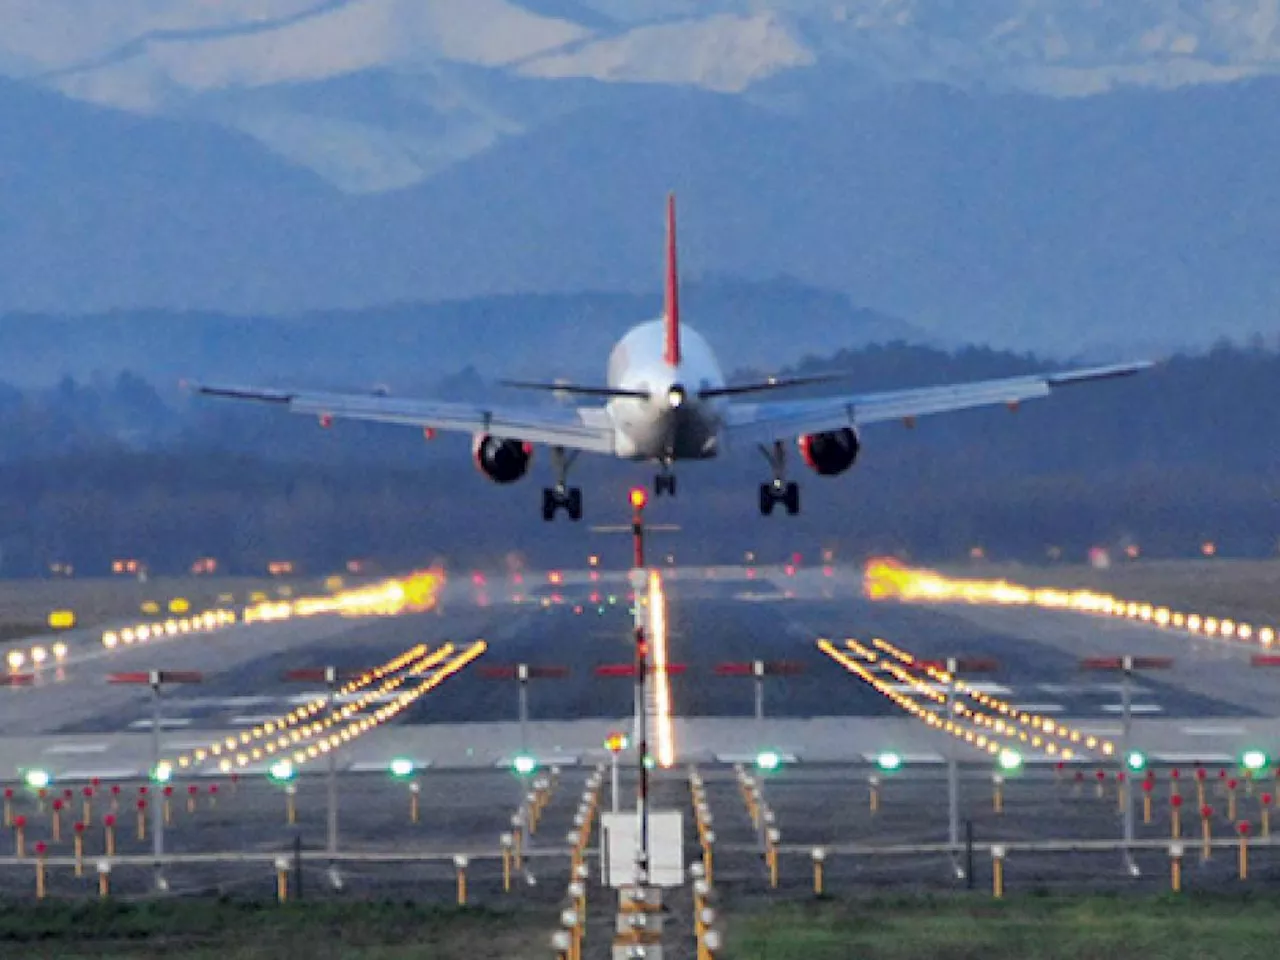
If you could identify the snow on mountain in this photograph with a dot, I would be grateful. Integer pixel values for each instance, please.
(722, 52)
(332, 40)
(207, 59)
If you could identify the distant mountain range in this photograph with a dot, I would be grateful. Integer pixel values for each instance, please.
(1041, 173)
(457, 348)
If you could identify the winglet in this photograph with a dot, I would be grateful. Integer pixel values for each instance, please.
(671, 351)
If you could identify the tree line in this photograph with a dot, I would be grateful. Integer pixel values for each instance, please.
(1187, 453)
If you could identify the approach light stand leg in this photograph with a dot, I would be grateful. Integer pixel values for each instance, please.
(157, 808)
(953, 778)
(1126, 740)
(639, 583)
(331, 778)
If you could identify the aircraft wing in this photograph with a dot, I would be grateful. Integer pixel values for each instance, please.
(585, 429)
(766, 422)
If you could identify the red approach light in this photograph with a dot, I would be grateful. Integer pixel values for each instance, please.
(638, 498)
(615, 670)
(478, 578)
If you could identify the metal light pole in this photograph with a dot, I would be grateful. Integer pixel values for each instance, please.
(615, 743)
(155, 679)
(1126, 738)
(613, 780)
(638, 583)
(953, 773)
(331, 775)
(522, 675)
(157, 814)
(757, 670)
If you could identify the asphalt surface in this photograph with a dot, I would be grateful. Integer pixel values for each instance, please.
(462, 735)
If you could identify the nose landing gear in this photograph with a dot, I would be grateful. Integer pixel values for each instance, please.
(779, 490)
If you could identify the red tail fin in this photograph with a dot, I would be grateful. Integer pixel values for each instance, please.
(671, 353)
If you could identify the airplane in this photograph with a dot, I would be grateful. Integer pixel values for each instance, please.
(665, 401)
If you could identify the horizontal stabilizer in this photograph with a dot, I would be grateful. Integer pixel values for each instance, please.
(241, 393)
(577, 389)
(1097, 373)
(773, 383)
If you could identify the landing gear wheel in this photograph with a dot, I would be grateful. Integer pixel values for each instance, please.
(553, 498)
(766, 499)
(792, 499)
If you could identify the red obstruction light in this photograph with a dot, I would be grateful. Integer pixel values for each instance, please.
(639, 497)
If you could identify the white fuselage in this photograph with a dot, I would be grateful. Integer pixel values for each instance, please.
(673, 423)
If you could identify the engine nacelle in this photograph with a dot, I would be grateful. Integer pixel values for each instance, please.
(502, 461)
(830, 453)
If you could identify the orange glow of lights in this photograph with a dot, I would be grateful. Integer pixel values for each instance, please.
(661, 679)
(887, 579)
(908, 704)
(941, 678)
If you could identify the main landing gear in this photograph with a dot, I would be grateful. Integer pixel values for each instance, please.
(562, 495)
(665, 482)
(779, 490)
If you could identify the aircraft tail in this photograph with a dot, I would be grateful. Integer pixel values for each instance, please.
(671, 349)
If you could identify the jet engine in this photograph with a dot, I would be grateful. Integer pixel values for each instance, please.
(502, 461)
(830, 453)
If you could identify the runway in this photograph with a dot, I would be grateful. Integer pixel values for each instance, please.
(461, 734)
(1210, 701)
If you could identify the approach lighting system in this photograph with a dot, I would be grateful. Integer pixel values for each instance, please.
(1009, 760)
(768, 760)
(1135, 761)
(37, 779)
(525, 764)
(888, 761)
(281, 771)
(402, 767)
(1253, 760)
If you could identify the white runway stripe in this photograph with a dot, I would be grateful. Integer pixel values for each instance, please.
(76, 748)
(1135, 708)
(1038, 707)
